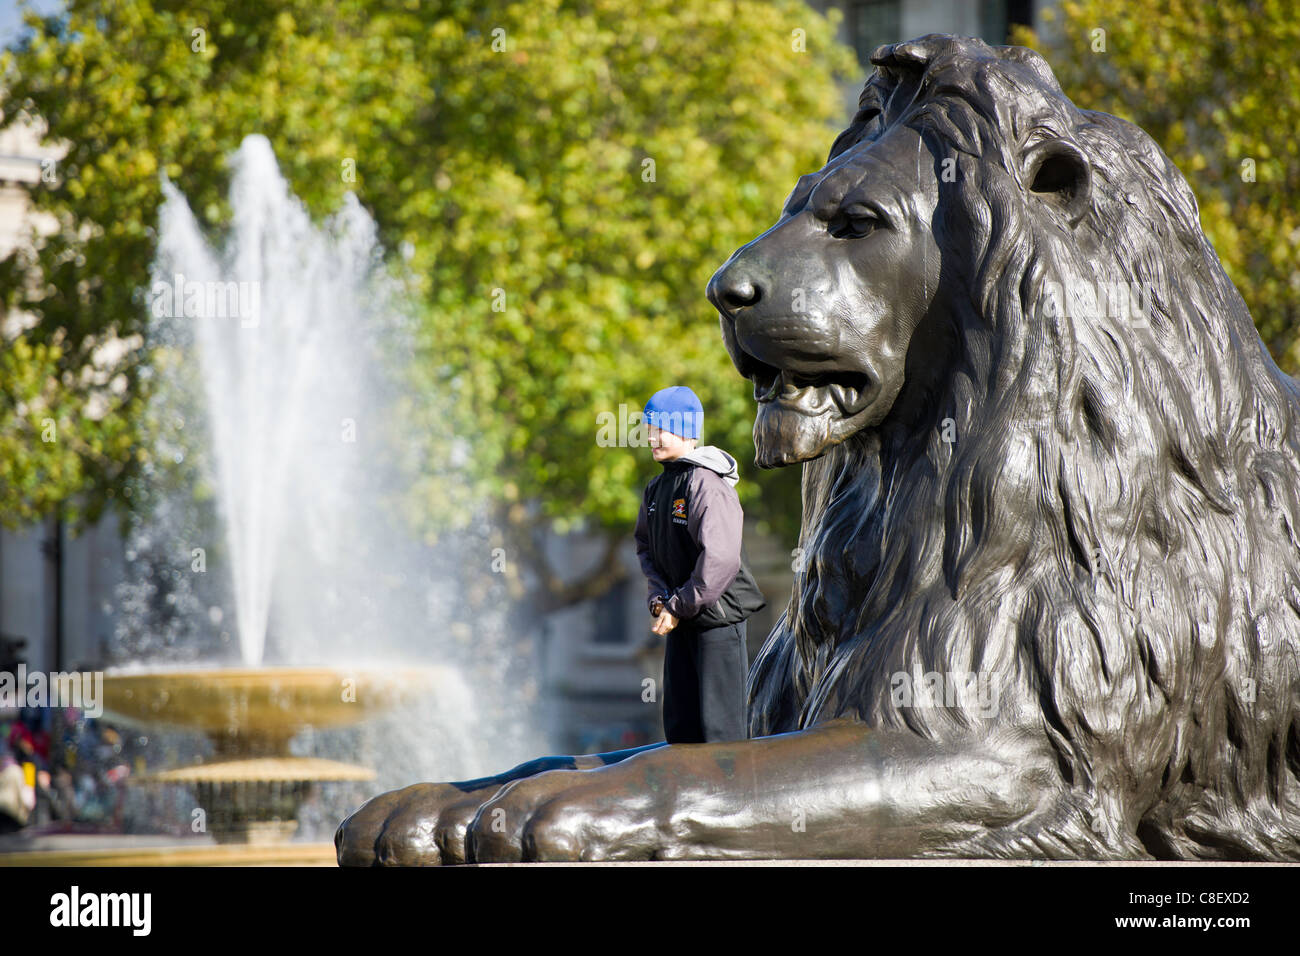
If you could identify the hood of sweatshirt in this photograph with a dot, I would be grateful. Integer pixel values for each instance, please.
(715, 459)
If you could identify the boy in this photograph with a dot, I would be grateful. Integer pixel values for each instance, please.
(688, 539)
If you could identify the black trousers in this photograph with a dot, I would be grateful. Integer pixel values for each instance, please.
(704, 684)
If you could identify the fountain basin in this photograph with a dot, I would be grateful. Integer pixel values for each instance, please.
(258, 709)
(252, 788)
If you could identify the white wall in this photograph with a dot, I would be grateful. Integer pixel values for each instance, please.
(26, 609)
(940, 16)
(92, 568)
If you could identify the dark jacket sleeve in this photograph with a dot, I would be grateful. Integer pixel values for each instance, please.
(658, 587)
(715, 522)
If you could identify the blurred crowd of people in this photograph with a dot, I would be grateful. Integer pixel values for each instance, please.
(62, 771)
(59, 766)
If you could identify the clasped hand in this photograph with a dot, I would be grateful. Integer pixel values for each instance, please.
(664, 621)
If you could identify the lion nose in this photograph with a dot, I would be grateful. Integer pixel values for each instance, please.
(734, 287)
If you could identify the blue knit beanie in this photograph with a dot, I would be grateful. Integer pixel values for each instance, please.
(675, 409)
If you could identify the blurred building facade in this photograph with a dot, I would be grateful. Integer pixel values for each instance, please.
(866, 24)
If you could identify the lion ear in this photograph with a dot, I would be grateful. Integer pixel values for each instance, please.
(1058, 172)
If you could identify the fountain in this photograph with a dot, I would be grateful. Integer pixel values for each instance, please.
(251, 790)
(285, 329)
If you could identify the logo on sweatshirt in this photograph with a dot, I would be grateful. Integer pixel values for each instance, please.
(679, 507)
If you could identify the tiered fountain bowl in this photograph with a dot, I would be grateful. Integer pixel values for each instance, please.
(252, 786)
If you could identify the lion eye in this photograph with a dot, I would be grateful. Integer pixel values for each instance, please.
(855, 222)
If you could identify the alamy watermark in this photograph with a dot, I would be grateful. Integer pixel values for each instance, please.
(204, 299)
(76, 908)
(946, 689)
(627, 429)
(1099, 298)
(81, 689)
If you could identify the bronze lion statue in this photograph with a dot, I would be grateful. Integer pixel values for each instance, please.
(1049, 598)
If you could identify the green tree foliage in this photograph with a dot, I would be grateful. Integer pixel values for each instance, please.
(562, 178)
(1217, 85)
(52, 441)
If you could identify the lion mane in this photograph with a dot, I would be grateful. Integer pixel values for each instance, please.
(1096, 515)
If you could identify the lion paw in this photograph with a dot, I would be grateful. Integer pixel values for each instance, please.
(421, 825)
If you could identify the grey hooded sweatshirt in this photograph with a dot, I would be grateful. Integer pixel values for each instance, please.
(715, 459)
(688, 538)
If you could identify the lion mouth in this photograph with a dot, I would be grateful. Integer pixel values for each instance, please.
(810, 401)
(848, 391)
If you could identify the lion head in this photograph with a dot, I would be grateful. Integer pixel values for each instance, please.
(1044, 444)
